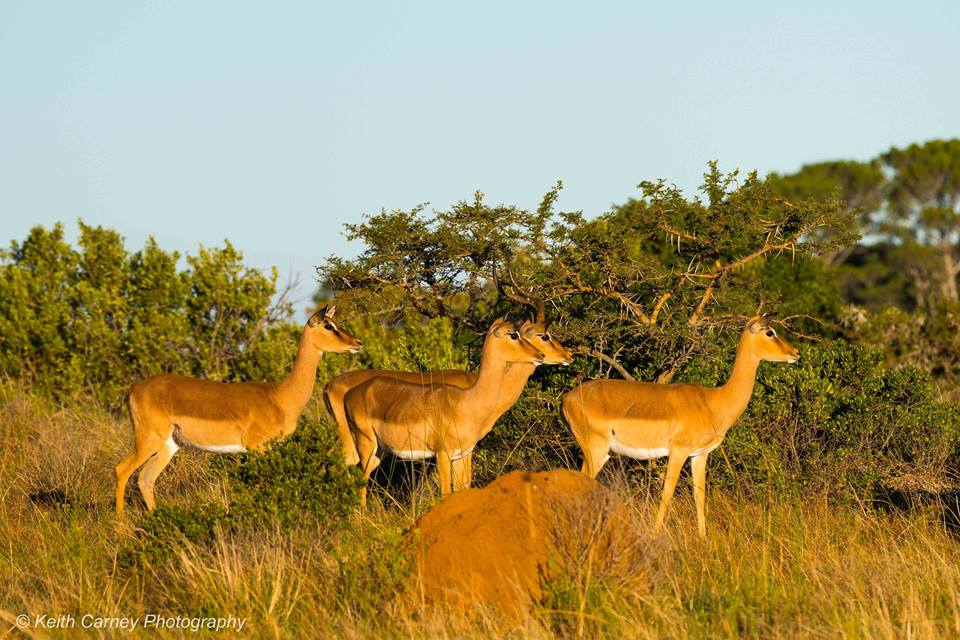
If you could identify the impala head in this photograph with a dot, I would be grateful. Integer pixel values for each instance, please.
(509, 345)
(536, 334)
(766, 343)
(325, 335)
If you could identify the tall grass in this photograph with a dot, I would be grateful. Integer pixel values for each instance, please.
(797, 567)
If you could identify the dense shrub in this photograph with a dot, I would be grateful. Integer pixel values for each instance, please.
(94, 318)
(295, 481)
(838, 422)
(842, 422)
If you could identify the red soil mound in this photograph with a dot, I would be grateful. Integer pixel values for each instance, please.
(501, 544)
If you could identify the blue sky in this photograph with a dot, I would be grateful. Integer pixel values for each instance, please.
(272, 124)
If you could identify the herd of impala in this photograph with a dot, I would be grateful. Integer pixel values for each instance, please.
(444, 414)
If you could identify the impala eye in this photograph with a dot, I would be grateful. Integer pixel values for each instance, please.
(546, 338)
(771, 333)
(514, 336)
(328, 327)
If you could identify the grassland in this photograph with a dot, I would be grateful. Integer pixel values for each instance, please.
(797, 567)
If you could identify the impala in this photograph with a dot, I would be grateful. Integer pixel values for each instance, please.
(222, 417)
(677, 421)
(515, 378)
(419, 421)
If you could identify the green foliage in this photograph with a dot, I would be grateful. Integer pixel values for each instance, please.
(838, 422)
(860, 185)
(297, 480)
(645, 284)
(928, 340)
(302, 476)
(416, 345)
(95, 318)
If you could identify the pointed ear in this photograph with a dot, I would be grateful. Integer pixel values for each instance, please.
(316, 317)
(502, 326)
(767, 318)
(329, 311)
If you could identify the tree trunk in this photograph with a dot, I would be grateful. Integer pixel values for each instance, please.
(949, 287)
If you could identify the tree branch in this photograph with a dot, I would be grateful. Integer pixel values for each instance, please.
(605, 358)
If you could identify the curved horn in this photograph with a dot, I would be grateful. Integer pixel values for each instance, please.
(502, 290)
(532, 300)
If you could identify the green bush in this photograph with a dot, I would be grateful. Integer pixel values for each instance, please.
(302, 476)
(838, 421)
(95, 318)
(296, 480)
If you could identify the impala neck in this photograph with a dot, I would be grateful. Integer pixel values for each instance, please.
(483, 396)
(734, 396)
(295, 390)
(515, 377)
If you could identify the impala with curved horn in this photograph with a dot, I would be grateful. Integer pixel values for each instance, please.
(222, 417)
(515, 375)
(646, 420)
(419, 421)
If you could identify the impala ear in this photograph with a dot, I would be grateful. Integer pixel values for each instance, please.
(316, 317)
(329, 311)
(767, 318)
(501, 326)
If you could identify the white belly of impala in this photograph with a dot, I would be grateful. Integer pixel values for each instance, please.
(212, 448)
(423, 455)
(413, 455)
(638, 454)
(222, 448)
(704, 451)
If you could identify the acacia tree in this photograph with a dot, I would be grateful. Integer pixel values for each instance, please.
(923, 207)
(641, 287)
(861, 188)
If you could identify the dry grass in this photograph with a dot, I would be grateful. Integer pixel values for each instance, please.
(797, 568)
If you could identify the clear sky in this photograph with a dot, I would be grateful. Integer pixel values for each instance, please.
(271, 124)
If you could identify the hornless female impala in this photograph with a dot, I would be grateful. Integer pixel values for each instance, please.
(418, 421)
(645, 420)
(222, 417)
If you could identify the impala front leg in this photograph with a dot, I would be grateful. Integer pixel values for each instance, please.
(674, 465)
(698, 469)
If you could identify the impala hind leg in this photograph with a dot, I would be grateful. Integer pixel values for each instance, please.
(596, 452)
(333, 399)
(462, 470)
(367, 451)
(698, 469)
(445, 472)
(674, 465)
(152, 468)
(595, 445)
(146, 448)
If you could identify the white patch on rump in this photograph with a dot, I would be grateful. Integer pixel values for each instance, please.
(638, 454)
